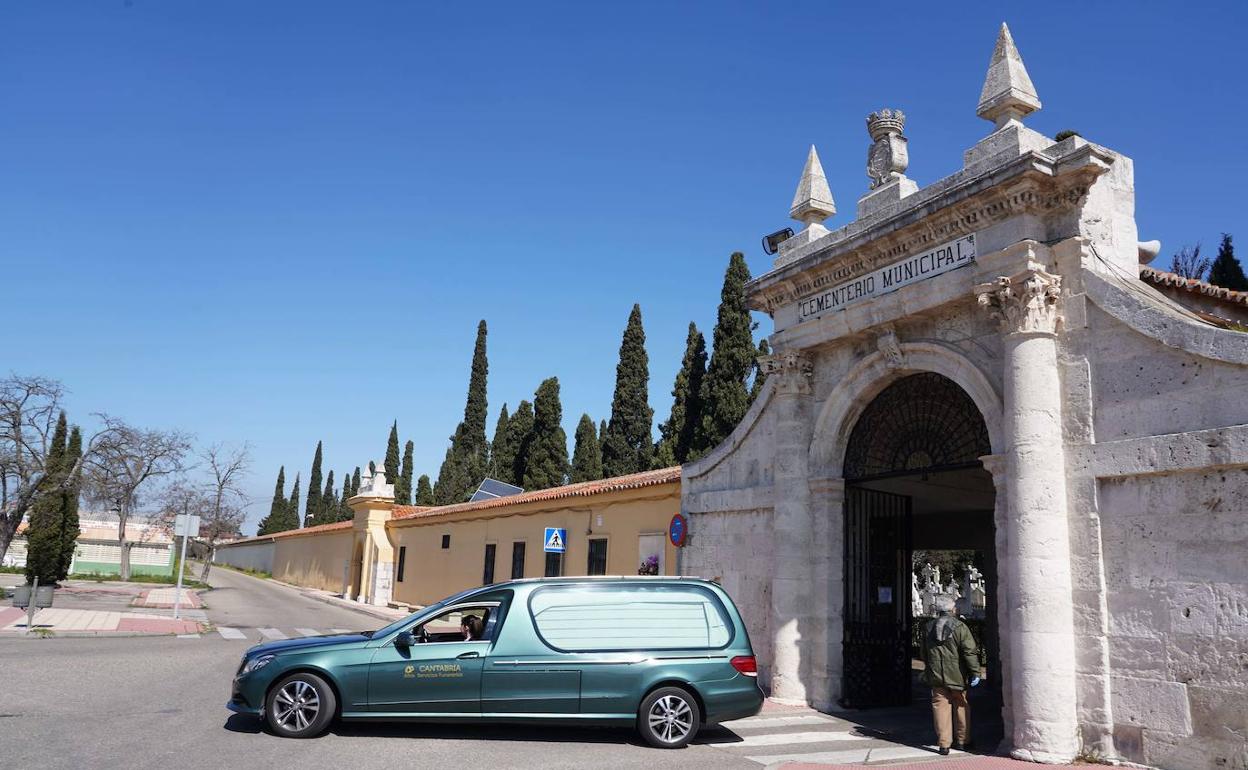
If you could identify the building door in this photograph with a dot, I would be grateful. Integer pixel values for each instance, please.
(877, 599)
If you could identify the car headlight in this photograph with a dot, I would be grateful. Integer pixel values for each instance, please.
(258, 662)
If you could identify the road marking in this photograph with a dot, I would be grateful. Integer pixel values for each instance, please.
(231, 633)
(271, 633)
(779, 739)
(849, 756)
(751, 722)
(340, 630)
(188, 636)
(307, 632)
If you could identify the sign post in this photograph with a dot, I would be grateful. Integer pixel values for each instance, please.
(187, 526)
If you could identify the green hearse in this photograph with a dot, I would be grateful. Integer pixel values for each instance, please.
(665, 654)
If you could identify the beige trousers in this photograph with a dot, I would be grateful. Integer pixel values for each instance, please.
(952, 715)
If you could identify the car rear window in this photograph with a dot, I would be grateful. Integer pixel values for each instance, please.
(582, 618)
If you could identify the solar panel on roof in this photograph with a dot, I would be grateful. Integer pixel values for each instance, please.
(493, 488)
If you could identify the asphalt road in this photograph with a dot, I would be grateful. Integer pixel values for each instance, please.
(159, 702)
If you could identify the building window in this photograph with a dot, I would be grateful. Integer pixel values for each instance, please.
(554, 564)
(446, 542)
(597, 557)
(402, 561)
(488, 576)
(517, 560)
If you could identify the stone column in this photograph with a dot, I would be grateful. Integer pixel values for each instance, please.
(998, 466)
(792, 592)
(1041, 627)
(827, 505)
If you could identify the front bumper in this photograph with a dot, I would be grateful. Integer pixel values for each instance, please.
(239, 702)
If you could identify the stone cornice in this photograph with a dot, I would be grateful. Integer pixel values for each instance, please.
(945, 211)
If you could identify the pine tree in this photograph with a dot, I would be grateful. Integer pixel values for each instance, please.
(467, 461)
(519, 438)
(69, 504)
(329, 502)
(628, 444)
(678, 431)
(403, 486)
(724, 394)
(290, 520)
(502, 455)
(587, 454)
(344, 510)
(547, 464)
(424, 491)
(313, 510)
(392, 457)
(277, 508)
(1226, 271)
(43, 535)
(760, 376)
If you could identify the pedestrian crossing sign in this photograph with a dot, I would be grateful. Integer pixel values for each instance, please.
(556, 540)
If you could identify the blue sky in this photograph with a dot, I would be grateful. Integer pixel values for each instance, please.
(280, 222)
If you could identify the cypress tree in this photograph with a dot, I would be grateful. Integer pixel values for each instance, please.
(587, 454)
(69, 504)
(519, 437)
(760, 376)
(547, 464)
(675, 446)
(344, 511)
(277, 508)
(467, 460)
(329, 502)
(724, 394)
(313, 510)
(1226, 270)
(392, 457)
(424, 491)
(355, 481)
(628, 444)
(43, 535)
(372, 467)
(403, 486)
(502, 454)
(290, 519)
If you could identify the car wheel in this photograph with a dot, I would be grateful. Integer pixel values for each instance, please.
(669, 718)
(300, 706)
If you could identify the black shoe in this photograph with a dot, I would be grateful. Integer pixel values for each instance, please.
(943, 751)
(964, 746)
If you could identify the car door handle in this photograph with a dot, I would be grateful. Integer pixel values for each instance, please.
(466, 655)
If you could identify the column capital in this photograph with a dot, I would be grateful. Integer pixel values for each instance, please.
(1025, 303)
(792, 370)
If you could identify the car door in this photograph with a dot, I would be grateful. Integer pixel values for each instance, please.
(439, 676)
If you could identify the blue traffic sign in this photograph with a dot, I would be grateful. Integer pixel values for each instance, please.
(556, 540)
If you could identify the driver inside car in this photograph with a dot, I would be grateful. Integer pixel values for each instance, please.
(472, 628)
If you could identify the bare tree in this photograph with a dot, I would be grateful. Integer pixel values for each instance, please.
(227, 503)
(29, 408)
(122, 464)
(1188, 263)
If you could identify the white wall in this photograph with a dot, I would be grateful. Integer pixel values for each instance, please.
(256, 555)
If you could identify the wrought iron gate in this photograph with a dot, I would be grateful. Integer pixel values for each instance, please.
(876, 639)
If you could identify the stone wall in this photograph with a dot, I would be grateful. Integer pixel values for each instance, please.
(254, 555)
(1176, 556)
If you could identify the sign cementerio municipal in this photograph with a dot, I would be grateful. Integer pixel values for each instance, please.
(882, 280)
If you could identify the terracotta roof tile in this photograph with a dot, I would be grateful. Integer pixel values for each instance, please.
(583, 489)
(318, 529)
(1163, 278)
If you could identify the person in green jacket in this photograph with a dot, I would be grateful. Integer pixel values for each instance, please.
(951, 667)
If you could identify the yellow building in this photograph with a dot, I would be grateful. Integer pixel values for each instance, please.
(417, 555)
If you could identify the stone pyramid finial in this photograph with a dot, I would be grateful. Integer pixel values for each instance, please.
(1008, 93)
(812, 203)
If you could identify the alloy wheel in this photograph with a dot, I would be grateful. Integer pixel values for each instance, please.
(296, 705)
(670, 718)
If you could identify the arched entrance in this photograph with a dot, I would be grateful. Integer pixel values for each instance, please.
(914, 484)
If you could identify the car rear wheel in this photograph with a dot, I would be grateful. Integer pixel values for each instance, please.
(300, 706)
(669, 718)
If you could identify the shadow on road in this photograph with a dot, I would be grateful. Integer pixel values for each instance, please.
(546, 733)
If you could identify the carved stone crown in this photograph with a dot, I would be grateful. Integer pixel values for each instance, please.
(884, 122)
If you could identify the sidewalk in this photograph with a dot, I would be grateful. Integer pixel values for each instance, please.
(90, 622)
(385, 613)
(87, 608)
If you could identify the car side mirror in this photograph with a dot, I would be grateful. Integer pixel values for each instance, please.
(404, 639)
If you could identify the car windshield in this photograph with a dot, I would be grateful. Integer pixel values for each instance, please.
(407, 621)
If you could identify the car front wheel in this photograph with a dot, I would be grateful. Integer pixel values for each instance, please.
(668, 718)
(300, 706)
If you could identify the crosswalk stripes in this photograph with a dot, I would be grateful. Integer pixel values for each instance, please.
(271, 633)
(340, 630)
(231, 633)
(773, 739)
(238, 634)
(307, 632)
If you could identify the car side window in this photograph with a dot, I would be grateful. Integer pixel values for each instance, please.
(462, 624)
(581, 618)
